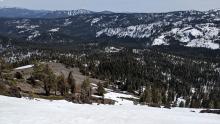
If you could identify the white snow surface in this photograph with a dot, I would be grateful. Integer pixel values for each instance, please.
(33, 35)
(24, 67)
(199, 35)
(119, 98)
(54, 30)
(39, 111)
(203, 35)
(179, 100)
(95, 20)
(160, 41)
(136, 31)
(67, 22)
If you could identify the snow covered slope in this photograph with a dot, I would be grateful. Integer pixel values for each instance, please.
(201, 35)
(24, 111)
(137, 31)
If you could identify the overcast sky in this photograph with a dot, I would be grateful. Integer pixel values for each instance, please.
(115, 5)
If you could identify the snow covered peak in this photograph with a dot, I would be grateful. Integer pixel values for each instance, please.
(79, 12)
(214, 10)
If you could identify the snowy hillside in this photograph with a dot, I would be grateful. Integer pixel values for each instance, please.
(137, 31)
(202, 35)
(38, 111)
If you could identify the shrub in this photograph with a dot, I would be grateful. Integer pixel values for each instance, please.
(181, 104)
(15, 92)
(3, 90)
(18, 75)
(100, 89)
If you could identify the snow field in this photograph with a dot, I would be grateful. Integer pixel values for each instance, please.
(25, 111)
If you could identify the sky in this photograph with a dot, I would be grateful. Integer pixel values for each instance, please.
(115, 5)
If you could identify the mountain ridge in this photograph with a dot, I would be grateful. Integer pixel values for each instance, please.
(16, 12)
(185, 28)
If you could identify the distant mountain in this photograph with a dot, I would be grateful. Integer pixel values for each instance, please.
(184, 28)
(66, 13)
(22, 13)
(26, 13)
(106, 12)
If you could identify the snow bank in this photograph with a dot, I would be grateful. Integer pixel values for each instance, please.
(95, 20)
(120, 98)
(24, 111)
(160, 41)
(54, 30)
(24, 67)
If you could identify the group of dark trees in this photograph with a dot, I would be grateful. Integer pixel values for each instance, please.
(7, 86)
(67, 87)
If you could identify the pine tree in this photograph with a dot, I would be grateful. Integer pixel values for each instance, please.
(86, 85)
(170, 96)
(61, 84)
(181, 104)
(211, 104)
(159, 97)
(156, 96)
(100, 89)
(164, 97)
(106, 84)
(147, 95)
(72, 83)
(46, 75)
(86, 91)
(18, 75)
(195, 103)
(49, 80)
(187, 103)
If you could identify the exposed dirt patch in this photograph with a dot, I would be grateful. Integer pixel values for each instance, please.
(59, 68)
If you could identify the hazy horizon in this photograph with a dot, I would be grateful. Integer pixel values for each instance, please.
(115, 5)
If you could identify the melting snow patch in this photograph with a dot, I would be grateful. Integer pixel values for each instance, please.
(179, 100)
(160, 41)
(33, 35)
(203, 43)
(24, 67)
(95, 20)
(120, 98)
(54, 30)
(67, 22)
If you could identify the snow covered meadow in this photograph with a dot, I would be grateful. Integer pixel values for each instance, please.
(39, 111)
